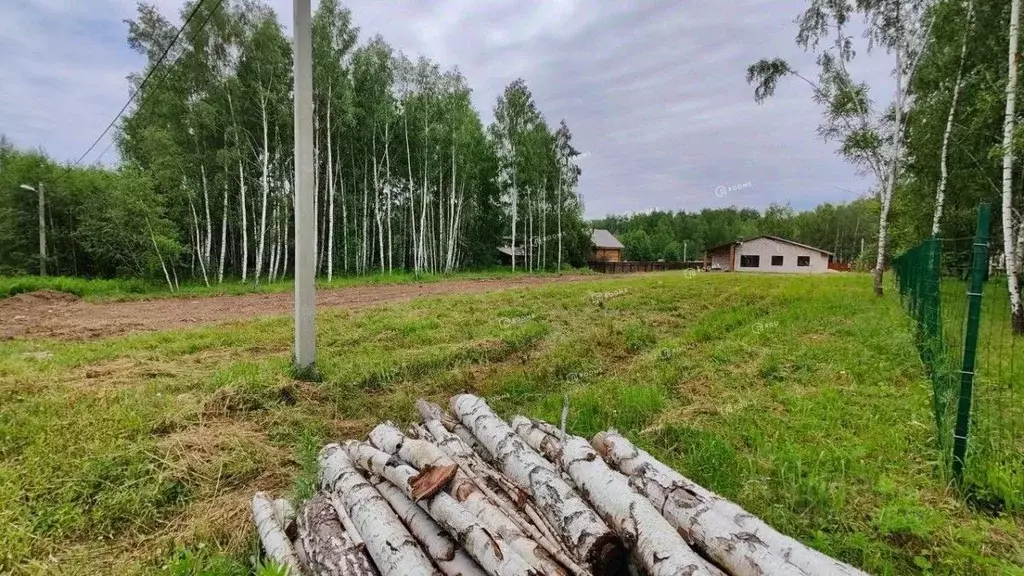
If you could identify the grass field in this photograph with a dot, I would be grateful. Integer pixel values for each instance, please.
(800, 397)
(120, 289)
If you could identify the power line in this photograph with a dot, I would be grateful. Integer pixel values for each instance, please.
(149, 75)
(145, 97)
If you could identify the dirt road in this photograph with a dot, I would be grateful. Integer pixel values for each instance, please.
(64, 316)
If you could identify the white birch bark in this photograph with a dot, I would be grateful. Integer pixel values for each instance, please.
(493, 553)
(548, 444)
(424, 455)
(159, 256)
(655, 543)
(412, 188)
(244, 232)
(330, 192)
(223, 233)
(735, 539)
(394, 551)
(199, 255)
(429, 411)
(265, 184)
(591, 540)
(940, 191)
(446, 553)
(1012, 279)
(388, 199)
(208, 243)
(275, 542)
(329, 546)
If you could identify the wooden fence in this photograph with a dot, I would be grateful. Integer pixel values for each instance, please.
(630, 267)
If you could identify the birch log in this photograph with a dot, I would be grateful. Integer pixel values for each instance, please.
(660, 550)
(449, 556)
(591, 540)
(430, 411)
(393, 549)
(275, 542)
(425, 455)
(330, 549)
(547, 443)
(493, 554)
(735, 539)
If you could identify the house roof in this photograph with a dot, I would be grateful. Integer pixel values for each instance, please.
(507, 250)
(775, 238)
(604, 239)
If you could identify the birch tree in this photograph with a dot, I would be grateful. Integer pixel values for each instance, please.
(870, 139)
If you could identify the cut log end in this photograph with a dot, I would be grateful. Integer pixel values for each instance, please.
(431, 480)
(608, 556)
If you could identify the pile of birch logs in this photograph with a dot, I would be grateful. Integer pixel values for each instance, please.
(466, 493)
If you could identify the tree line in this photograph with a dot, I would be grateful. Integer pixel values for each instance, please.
(407, 177)
(847, 230)
(947, 141)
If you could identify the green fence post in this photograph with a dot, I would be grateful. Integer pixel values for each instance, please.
(963, 412)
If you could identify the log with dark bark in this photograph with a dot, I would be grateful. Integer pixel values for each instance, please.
(394, 551)
(329, 549)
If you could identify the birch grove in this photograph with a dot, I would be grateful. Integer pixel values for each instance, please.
(407, 177)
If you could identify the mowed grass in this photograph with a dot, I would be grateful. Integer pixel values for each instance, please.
(800, 397)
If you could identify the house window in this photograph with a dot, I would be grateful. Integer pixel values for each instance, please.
(803, 260)
(750, 261)
(776, 260)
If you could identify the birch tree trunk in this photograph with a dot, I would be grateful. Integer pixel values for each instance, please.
(265, 184)
(940, 192)
(208, 244)
(737, 540)
(560, 223)
(1012, 278)
(199, 255)
(387, 197)
(656, 544)
(393, 549)
(329, 548)
(493, 554)
(223, 233)
(591, 540)
(245, 225)
(272, 535)
(449, 556)
(330, 192)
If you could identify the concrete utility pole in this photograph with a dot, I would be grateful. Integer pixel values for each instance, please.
(42, 225)
(305, 240)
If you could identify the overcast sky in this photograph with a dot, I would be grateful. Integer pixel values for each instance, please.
(654, 91)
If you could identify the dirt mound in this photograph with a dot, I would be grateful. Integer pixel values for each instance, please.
(39, 297)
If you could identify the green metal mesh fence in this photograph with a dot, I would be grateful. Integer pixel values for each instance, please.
(960, 307)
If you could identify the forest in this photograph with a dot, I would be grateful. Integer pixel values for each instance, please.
(847, 230)
(407, 176)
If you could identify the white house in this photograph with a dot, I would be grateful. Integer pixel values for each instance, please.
(768, 254)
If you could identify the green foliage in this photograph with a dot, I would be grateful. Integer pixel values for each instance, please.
(839, 228)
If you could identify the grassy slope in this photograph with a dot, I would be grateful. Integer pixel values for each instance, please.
(801, 398)
(135, 289)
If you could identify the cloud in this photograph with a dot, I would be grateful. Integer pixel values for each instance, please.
(654, 90)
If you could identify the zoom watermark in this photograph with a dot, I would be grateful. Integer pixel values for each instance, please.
(506, 322)
(762, 327)
(602, 296)
(723, 191)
